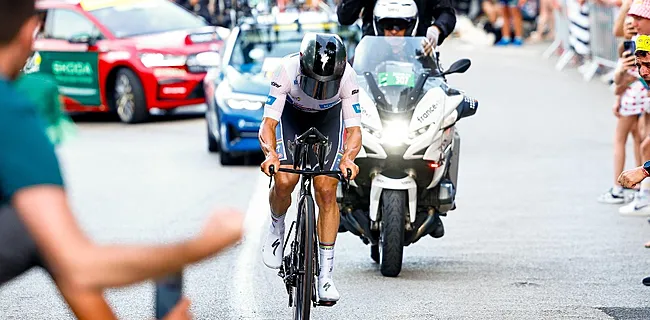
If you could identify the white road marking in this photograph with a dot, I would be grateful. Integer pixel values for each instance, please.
(257, 217)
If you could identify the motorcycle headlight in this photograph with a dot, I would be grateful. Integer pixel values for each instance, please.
(372, 131)
(150, 60)
(244, 104)
(395, 133)
(419, 132)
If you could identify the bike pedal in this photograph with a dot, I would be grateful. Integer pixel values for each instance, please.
(326, 303)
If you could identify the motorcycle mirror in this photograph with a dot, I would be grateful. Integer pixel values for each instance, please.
(459, 66)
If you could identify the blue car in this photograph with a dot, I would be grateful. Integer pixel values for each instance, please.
(236, 92)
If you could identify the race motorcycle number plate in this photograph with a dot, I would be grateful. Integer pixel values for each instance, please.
(396, 79)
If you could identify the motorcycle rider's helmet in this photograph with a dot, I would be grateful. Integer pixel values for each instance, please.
(322, 63)
(395, 14)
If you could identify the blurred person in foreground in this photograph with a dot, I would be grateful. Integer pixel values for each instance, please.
(36, 219)
(43, 91)
(630, 105)
(640, 13)
(437, 18)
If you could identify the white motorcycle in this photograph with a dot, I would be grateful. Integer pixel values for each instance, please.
(409, 158)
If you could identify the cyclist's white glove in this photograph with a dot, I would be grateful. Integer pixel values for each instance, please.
(433, 33)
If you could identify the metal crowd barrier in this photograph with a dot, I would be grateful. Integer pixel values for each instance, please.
(603, 44)
(561, 41)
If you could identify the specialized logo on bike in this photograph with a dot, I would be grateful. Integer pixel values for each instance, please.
(327, 286)
(275, 245)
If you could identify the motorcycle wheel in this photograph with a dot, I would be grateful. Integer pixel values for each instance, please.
(391, 238)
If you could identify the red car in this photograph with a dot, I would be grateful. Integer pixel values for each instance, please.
(125, 56)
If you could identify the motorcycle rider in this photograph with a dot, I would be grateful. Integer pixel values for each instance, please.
(441, 10)
(316, 87)
(395, 19)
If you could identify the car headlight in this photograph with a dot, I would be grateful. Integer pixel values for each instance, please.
(150, 60)
(244, 104)
(395, 133)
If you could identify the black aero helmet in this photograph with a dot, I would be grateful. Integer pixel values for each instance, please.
(322, 63)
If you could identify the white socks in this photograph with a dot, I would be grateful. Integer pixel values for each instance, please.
(326, 260)
(616, 189)
(277, 224)
(645, 186)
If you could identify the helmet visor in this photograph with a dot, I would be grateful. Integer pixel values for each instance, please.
(319, 90)
(397, 24)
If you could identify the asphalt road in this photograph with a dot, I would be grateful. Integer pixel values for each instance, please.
(528, 240)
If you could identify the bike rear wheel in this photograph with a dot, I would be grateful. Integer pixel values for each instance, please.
(305, 278)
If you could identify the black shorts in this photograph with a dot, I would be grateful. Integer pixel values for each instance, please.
(294, 122)
(18, 251)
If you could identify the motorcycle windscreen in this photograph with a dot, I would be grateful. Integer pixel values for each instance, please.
(320, 90)
(396, 84)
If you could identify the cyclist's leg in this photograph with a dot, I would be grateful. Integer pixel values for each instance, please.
(288, 128)
(280, 193)
(328, 217)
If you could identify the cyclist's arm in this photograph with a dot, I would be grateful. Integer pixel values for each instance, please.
(445, 18)
(30, 178)
(280, 87)
(351, 116)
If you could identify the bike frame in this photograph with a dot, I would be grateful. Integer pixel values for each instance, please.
(305, 142)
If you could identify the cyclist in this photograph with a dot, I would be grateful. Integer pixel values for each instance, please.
(316, 87)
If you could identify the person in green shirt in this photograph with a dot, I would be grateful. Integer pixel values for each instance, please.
(36, 218)
(43, 91)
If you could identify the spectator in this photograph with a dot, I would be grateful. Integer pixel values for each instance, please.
(44, 93)
(640, 205)
(631, 103)
(200, 7)
(511, 13)
(545, 21)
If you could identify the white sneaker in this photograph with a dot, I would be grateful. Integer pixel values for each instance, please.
(639, 207)
(611, 197)
(272, 249)
(327, 290)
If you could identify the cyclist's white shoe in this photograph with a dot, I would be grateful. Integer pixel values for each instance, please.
(273, 248)
(327, 290)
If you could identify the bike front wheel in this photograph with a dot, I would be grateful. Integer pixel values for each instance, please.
(305, 277)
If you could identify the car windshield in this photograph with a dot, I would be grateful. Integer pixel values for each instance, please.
(259, 48)
(146, 17)
(391, 66)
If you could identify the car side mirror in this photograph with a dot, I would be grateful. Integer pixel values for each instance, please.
(83, 38)
(459, 66)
